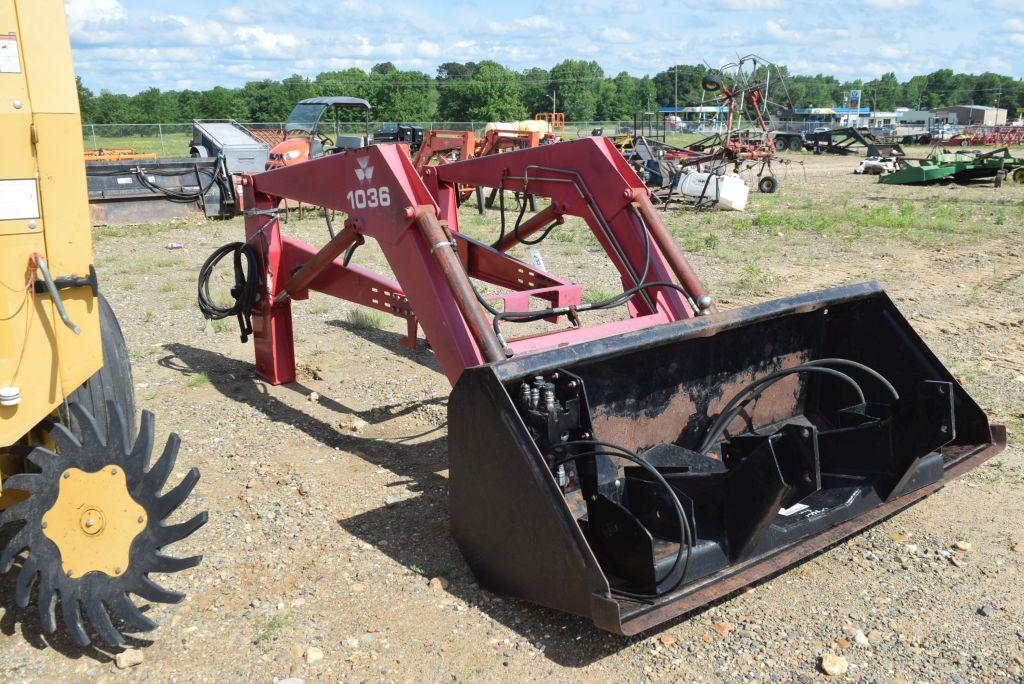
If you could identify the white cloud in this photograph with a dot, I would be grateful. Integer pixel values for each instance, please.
(617, 35)
(754, 5)
(235, 13)
(531, 24)
(893, 5)
(891, 52)
(258, 41)
(129, 45)
(83, 12)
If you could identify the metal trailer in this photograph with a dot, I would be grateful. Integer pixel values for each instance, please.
(232, 142)
(850, 141)
(146, 191)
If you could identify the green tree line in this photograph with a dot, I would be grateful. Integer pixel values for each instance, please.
(488, 91)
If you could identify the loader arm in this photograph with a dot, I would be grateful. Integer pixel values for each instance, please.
(631, 470)
(417, 227)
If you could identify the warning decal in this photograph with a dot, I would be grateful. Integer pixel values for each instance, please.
(10, 62)
(19, 199)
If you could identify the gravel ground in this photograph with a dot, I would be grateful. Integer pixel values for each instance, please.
(328, 557)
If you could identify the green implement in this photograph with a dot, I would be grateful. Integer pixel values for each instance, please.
(960, 167)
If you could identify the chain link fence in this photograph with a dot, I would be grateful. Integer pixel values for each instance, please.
(173, 140)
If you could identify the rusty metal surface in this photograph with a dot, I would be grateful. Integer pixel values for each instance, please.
(739, 576)
(701, 326)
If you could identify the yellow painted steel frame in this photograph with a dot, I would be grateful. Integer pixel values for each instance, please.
(42, 147)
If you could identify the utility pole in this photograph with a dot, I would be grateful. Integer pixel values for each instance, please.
(554, 105)
(675, 72)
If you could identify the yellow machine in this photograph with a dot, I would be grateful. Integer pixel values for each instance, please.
(81, 513)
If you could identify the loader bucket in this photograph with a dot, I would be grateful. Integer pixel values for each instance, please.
(631, 479)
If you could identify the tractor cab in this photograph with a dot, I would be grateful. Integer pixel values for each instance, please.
(319, 126)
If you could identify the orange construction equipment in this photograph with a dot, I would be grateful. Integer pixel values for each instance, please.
(440, 147)
(555, 119)
(117, 154)
(501, 140)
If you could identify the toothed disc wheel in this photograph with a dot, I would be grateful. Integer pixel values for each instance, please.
(93, 526)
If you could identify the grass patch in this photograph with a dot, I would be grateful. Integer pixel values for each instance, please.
(593, 295)
(169, 286)
(223, 325)
(755, 280)
(269, 630)
(850, 220)
(366, 319)
(147, 317)
(197, 380)
(319, 307)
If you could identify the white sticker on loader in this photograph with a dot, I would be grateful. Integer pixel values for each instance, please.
(537, 259)
(10, 62)
(19, 199)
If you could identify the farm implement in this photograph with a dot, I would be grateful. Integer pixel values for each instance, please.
(959, 167)
(986, 136)
(83, 522)
(850, 141)
(631, 470)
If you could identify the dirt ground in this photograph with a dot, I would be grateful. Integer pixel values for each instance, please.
(328, 513)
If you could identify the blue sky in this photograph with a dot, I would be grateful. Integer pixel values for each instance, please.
(130, 45)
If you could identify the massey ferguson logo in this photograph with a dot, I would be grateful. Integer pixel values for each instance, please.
(365, 172)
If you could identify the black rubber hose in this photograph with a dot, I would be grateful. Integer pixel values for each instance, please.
(245, 292)
(683, 553)
(756, 388)
(817, 362)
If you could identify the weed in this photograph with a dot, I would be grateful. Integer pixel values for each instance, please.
(319, 307)
(593, 295)
(197, 380)
(270, 629)
(223, 325)
(564, 234)
(169, 286)
(366, 319)
(147, 317)
(755, 280)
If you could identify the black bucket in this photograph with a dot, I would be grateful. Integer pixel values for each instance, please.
(602, 479)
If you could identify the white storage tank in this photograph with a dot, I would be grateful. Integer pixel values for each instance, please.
(728, 190)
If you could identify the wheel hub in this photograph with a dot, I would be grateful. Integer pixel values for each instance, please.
(94, 521)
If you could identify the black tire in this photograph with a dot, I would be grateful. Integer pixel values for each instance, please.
(780, 144)
(768, 184)
(113, 382)
(795, 144)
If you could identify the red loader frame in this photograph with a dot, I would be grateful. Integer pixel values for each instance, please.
(415, 221)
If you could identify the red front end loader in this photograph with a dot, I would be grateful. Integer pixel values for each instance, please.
(627, 471)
